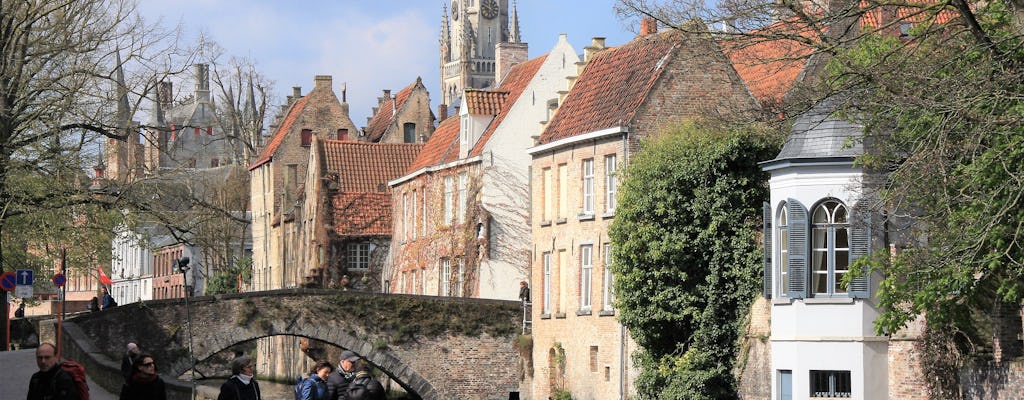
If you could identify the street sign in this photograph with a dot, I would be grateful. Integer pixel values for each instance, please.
(25, 277)
(23, 291)
(7, 281)
(59, 280)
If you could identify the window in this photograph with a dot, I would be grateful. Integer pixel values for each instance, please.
(586, 275)
(446, 276)
(830, 384)
(461, 282)
(412, 221)
(783, 233)
(343, 134)
(588, 186)
(405, 216)
(463, 181)
(608, 281)
(409, 132)
(423, 215)
(214, 163)
(563, 191)
(548, 199)
(830, 247)
(547, 283)
(449, 193)
(307, 137)
(611, 182)
(358, 255)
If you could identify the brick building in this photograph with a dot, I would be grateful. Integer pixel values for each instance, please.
(405, 117)
(620, 96)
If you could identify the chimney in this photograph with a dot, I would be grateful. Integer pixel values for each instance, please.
(507, 55)
(297, 92)
(324, 81)
(648, 26)
(202, 76)
(442, 112)
(344, 98)
(165, 94)
(596, 45)
(387, 94)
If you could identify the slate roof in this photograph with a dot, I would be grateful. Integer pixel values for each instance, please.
(819, 134)
(386, 114)
(770, 66)
(282, 132)
(612, 87)
(367, 167)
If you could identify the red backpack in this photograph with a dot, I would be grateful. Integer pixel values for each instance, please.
(77, 372)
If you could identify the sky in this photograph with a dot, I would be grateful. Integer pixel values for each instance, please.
(368, 45)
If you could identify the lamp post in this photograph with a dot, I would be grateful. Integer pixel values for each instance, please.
(183, 268)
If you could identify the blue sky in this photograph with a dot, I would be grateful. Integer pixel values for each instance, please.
(370, 45)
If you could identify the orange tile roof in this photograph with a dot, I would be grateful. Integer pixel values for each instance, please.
(367, 167)
(514, 83)
(484, 102)
(442, 147)
(916, 11)
(386, 114)
(770, 66)
(612, 87)
(282, 132)
(361, 213)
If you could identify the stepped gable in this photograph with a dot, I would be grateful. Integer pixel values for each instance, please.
(612, 87)
(282, 132)
(514, 83)
(386, 114)
(442, 147)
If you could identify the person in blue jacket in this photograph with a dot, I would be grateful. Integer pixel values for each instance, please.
(315, 387)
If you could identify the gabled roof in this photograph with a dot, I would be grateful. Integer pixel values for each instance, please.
(282, 132)
(514, 83)
(367, 167)
(484, 102)
(768, 62)
(386, 114)
(441, 148)
(612, 87)
(361, 214)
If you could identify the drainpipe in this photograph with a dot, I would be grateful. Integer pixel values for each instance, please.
(622, 328)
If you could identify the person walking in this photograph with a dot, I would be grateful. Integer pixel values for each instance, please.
(315, 387)
(51, 382)
(20, 312)
(338, 381)
(108, 300)
(127, 361)
(242, 384)
(364, 386)
(144, 383)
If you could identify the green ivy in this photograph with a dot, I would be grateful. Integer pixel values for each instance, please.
(688, 256)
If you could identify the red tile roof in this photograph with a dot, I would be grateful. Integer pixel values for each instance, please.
(386, 114)
(612, 87)
(916, 11)
(367, 167)
(484, 102)
(514, 83)
(442, 147)
(768, 61)
(362, 214)
(282, 132)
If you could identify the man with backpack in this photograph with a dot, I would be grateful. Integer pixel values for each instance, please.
(52, 382)
(365, 387)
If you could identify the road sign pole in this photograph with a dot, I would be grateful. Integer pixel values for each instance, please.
(7, 321)
(64, 293)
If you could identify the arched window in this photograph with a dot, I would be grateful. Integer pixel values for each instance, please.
(782, 230)
(830, 247)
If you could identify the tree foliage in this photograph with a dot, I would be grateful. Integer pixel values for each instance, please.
(687, 255)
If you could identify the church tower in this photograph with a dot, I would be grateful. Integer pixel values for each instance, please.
(471, 31)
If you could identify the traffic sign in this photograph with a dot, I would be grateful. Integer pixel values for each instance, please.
(23, 291)
(25, 277)
(59, 280)
(7, 281)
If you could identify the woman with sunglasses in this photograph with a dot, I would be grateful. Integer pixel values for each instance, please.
(144, 383)
(242, 384)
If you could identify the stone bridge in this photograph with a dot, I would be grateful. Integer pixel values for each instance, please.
(434, 347)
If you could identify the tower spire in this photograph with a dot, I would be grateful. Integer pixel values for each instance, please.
(446, 39)
(514, 35)
(123, 114)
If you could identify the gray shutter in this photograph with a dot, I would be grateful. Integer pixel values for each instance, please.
(767, 250)
(797, 243)
(860, 246)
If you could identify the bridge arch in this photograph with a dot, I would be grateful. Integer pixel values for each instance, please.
(435, 347)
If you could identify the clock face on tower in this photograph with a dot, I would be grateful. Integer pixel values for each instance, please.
(455, 10)
(489, 9)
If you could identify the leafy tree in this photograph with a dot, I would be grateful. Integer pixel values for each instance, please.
(687, 257)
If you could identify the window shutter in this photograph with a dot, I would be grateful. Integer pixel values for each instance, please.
(767, 250)
(797, 244)
(860, 246)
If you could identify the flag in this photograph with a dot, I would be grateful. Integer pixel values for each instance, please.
(104, 279)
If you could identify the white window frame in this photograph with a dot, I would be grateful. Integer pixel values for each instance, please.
(824, 248)
(546, 259)
(588, 186)
(611, 182)
(607, 283)
(586, 276)
(446, 275)
(413, 219)
(463, 183)
(782, 233)
(461, 283)
(358, 256)
(449, 197)
(405, 216)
